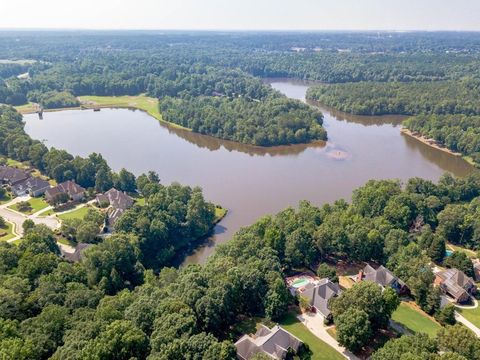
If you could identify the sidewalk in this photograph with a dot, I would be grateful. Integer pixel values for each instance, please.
(315, 324)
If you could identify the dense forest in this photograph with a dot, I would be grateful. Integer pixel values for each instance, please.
(112, 305)
(273, 121)
(457, 132)
(390, 71)
(376, 98)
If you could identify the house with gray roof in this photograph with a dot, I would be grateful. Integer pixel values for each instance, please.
(118, 201)
(274, 342)
(318, 294)
(383, 277)
(456, 284)
(33, 186)
(11, 176)
(76, 255)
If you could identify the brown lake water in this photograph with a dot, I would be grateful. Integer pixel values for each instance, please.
(248, 180)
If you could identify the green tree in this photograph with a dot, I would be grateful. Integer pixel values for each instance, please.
(353, 329)
(460, 340)
(326, 271)
(446, 316)
(459, 260)
(437, 249)
(120, 340)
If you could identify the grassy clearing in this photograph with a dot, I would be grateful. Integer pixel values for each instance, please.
(8, 230)
(65, 241)
(27, 108)
(219, 213)
(472, 315)
(415, 320)
(141, 102)
(470, 253)
(320, 350)
(36, 204)
(78, 213)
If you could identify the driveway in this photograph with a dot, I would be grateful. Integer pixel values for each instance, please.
(18, 218)
(315, 324)
(467, 323)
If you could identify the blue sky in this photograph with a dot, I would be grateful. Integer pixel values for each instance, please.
(243, 14)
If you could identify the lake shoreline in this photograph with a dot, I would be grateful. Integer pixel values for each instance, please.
(433, 143)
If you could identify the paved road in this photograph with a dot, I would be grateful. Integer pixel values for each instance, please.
(315, 324)
(467, 323)
(18, 218)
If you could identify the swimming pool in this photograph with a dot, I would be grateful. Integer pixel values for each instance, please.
(448, 252)
(300, 282)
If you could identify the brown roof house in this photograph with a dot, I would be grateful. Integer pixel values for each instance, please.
(70, 187)
(455, 284)
(12, 176)
(33, 186)
(275, 343)
(383, 277)
(76, 255)
(318, 296)
(118, 202)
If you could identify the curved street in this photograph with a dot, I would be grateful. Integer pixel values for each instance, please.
(18, 218)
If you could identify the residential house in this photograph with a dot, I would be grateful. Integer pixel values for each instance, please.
(116, 199)
(383, 277)
(118, 202)
(274, 342)
(11, 176)
(455, 284)
(33, 186)
(318, 296)
(70, 187)
(75, 256)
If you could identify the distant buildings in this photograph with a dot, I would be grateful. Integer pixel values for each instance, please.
(74, 191)
(274, 342)
(456, 284)
(383, 277)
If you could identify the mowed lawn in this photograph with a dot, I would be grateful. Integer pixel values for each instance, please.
(472, 315)
(142, 102)
(8, 230)
(36, 204)
(78, 213)
(415, 320)
(320, 350)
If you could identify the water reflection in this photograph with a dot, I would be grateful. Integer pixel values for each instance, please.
(249, 181)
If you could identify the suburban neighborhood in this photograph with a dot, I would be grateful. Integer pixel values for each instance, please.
(29, 196)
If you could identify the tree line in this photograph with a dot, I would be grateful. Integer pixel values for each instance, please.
(414, 98)
(459, 133)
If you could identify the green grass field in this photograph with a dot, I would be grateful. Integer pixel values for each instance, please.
(26, 108)
(220, 213)
(415, 320)
(9, 232)
(75, 214)
(472, 315)
(320, 350)
(36, 205)
(142, 102)
(470, 253)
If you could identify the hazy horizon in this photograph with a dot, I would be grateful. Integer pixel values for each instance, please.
(245, 15)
